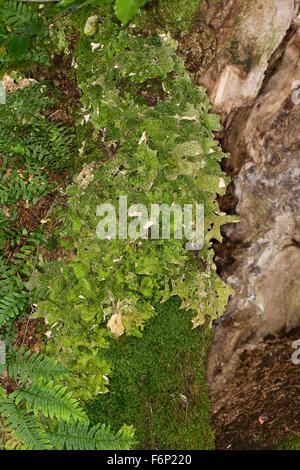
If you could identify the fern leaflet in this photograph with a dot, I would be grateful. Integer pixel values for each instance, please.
(17, 15)
(52, 400)
(10, 306)
(25, 429)
(36, 366)
(72, 436)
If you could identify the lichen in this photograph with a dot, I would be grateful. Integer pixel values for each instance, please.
(149, 129)
(90, 27)
(243, 55)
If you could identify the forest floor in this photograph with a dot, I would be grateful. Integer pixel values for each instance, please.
(27, 332)
(171, 387)
(260, 407)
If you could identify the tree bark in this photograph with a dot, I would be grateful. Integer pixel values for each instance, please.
(253, 84)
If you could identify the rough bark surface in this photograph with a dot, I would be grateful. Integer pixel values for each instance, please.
(253, 84)
(247, 34)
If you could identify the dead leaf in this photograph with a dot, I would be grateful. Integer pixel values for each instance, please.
(94, 46)
(115, 324)
(262, 419)
(86, 175)
(143, 138)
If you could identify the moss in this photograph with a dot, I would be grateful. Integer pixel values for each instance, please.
(158, 384)
(161, 15)
(288, 443)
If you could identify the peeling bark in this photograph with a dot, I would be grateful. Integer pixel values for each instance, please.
(247, 33)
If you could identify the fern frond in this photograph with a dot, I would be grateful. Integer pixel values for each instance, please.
(52, 400)
(35, 366)
(79, 436)
(17, 15)
(10, 306)
(25, 429)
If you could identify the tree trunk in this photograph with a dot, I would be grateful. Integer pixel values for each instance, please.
(253, 84)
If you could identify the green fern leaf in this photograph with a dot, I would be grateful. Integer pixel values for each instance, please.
(35, 366)
(10, 306)
(79, 436)
(52, 400)
(17, 15)
(25, 429)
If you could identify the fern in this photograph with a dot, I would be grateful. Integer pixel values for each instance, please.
(24, 106)
(72, 436)
(52, 400)
(21, 31)
(25, 429)
(11, 305)
(26, 433)
(25, 131)
(34, 366)
(23, 411)
(31, 146)
(10, 280)
(17, 15)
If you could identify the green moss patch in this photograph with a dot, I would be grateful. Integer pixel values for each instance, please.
(158, 384)
(161, 15)
(288, 443)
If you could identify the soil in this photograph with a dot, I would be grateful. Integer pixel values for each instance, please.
(261, 404)
(30, 333)
(61, 76)
(30, 336)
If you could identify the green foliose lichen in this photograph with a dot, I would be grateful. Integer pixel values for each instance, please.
(146, 133)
